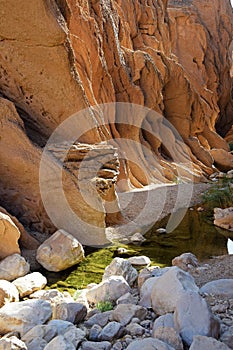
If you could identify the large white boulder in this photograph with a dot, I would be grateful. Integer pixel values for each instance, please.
(193, 317)
(121, 267)
(110, 289)
(169, 288)
(24, 315)
(60, 252)
(222, 288)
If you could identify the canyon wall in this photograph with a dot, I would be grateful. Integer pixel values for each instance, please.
(61, 57)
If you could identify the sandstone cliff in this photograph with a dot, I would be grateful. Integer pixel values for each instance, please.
(60, 57)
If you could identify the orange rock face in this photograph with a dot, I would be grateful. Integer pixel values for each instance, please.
(59, 57)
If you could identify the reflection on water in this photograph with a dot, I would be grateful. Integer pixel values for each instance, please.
(195, 234)
(230, 246)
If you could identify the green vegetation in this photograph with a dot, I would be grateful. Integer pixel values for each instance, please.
(104, 306)
(219, 195)
(196, 233)
(92, 268)
(76, 294)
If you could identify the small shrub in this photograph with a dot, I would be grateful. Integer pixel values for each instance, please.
(104, 306)
(219, 195)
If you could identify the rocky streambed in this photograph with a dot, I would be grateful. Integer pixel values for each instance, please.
(136, 305)
(121, 297)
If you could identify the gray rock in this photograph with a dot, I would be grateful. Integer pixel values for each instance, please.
(126, 299)
(12, 343)
(159, 272)
(24, 315)
(161, 230)
(227, 337)
(13, 266)
(221, 288)
(148, 272)
(39, 333)
(145, 292)
(149, 344)
(164, 321)
(89, 345)
(207, 343)
(193, 317)
(100, 319)
(185, 261)
(37, 344)
(117, 346)
(124, 313)
(169, 288)
(54, 296)
(164, 329)
(137, 239)
(139, 260)
(121, 267)
(169, 336)
(74, 335)
(61, 326)
(69, 340)
(71, 312)
(95, 332)
(28, 284)
(8, 292)
(135, 329)
(113, 330)
(60, 343)
(110, 289)
(144, 274)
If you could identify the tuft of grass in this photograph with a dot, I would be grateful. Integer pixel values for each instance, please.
(76, 294)
(104, 306)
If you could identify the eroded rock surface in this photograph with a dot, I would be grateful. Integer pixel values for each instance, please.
(60, 57)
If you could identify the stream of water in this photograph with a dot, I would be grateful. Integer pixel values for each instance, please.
(196, 233)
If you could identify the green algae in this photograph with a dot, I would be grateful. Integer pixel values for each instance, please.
(196, 233)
